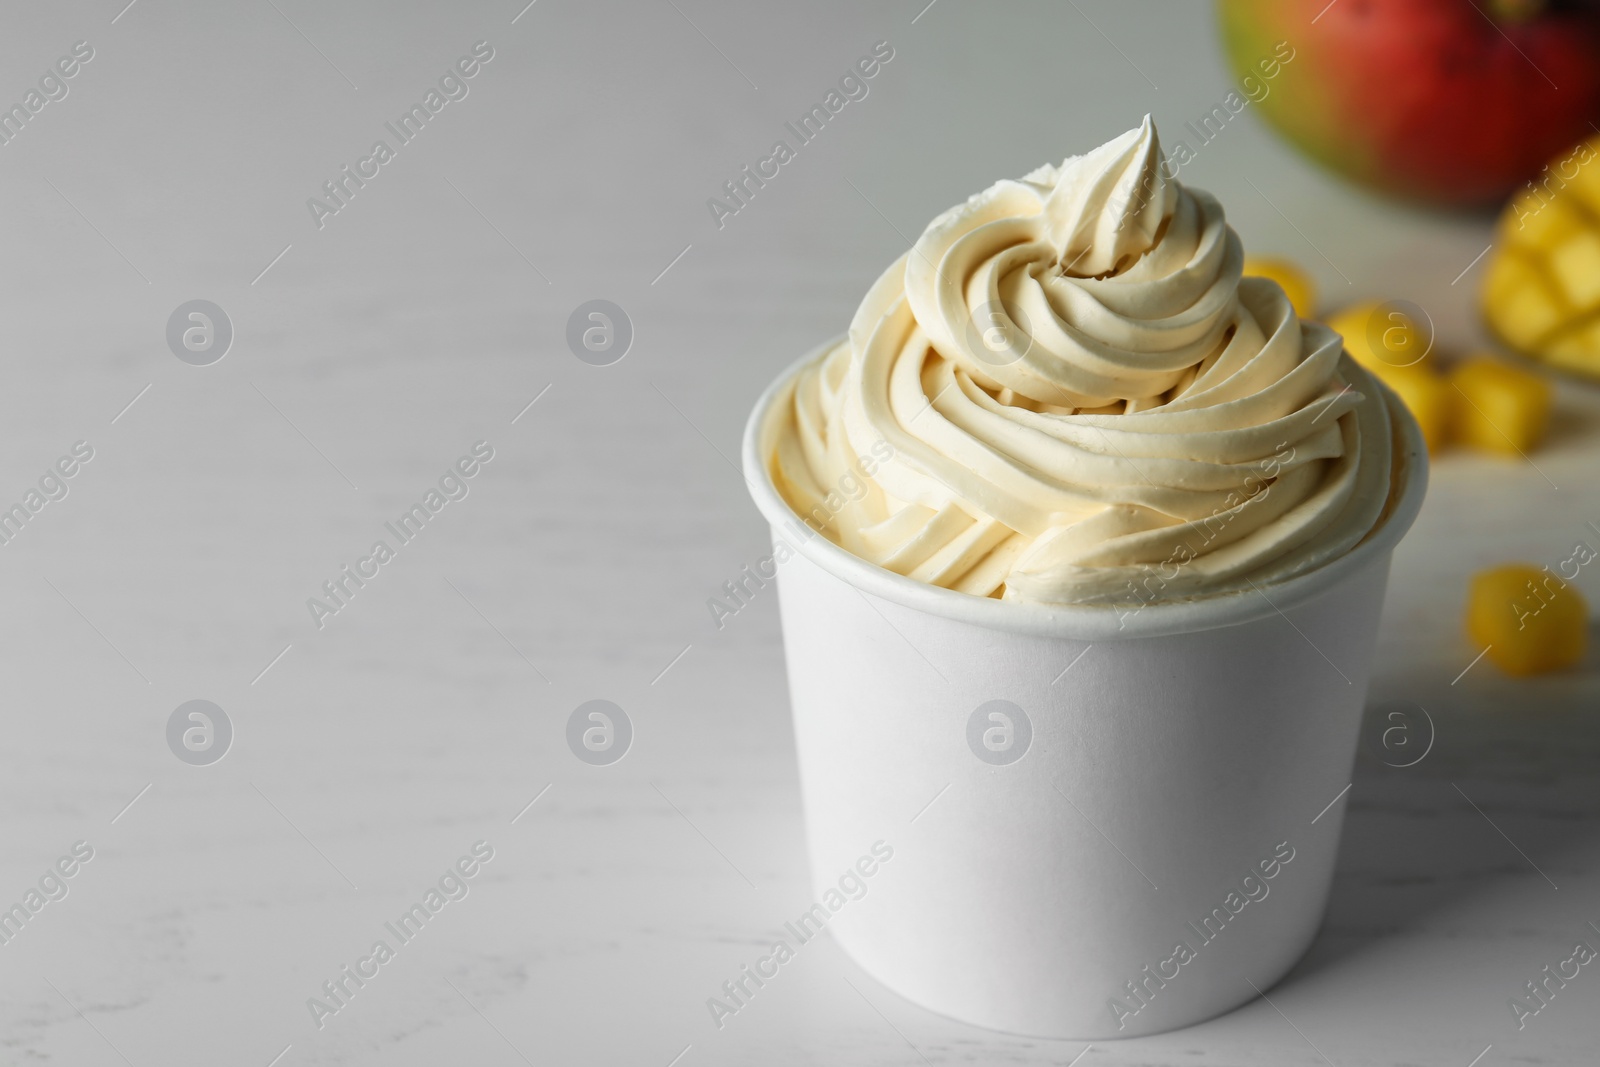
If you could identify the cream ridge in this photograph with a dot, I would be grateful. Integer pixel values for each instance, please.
(1085, 403)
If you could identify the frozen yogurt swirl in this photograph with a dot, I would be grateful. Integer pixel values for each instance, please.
(1065, 393)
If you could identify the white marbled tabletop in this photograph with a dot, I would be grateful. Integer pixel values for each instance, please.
(371, 352)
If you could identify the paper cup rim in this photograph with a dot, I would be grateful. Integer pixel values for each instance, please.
(1085, 622)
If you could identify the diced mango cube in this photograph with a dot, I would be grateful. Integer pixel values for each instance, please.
(1576, 265)
(1540, 219)
(1501, 408)
(1526, 310)
(1505, 274)
(1578, 350)
(1541, 287)
(1528, 619)
(1429, 397)
(1380, 336)
(1510, 225)
(1585, 183)
(1296, 283)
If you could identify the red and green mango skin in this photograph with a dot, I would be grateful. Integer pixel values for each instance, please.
(1431, 100)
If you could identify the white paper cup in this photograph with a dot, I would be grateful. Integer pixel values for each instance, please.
(1177, 755)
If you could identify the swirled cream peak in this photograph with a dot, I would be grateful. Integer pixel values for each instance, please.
(1108, 207)
(1065, 393)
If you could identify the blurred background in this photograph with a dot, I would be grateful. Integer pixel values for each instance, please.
(372, 347)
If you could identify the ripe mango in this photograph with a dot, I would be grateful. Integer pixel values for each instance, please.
(1541, 287)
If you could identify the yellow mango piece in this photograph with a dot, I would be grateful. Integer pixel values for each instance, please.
(1540, 220)
(1510, 226)
(1585, 182)
(1541, 284)
(1296, 283)
(1528, 618)
(1380, 336)
(1576, 263)
(1527, 311)
(1500, 408)
(1505, 275)
(1431, 399)
(1578, 350)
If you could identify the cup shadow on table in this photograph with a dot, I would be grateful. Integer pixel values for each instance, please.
(1414, 849)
